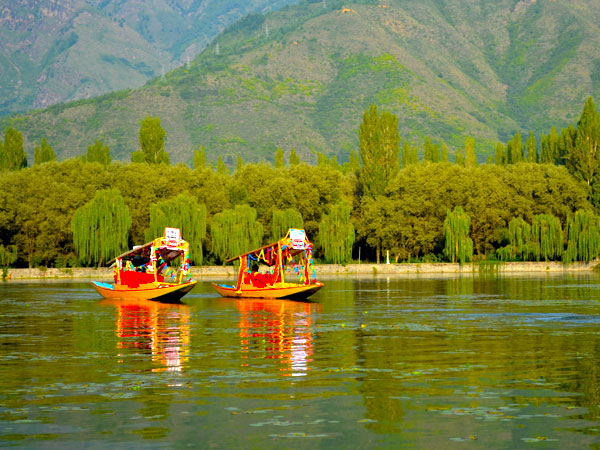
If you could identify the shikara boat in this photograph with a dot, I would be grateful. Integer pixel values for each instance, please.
(144, 273)
(293, 251)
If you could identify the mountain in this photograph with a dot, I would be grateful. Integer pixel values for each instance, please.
(302, 77)
(53, 51)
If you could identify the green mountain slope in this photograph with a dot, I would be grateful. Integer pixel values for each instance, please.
(51, 51)
(302, 77)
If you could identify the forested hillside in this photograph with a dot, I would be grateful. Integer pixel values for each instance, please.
(301, 77)
(55, 51)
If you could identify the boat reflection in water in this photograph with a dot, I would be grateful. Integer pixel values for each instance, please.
(162, 329)
(279, 330)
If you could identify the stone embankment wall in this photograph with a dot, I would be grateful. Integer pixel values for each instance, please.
(330, 269)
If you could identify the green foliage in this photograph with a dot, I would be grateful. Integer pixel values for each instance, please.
(583, 237)
(99, 153)
(43, 153)
(499, 157)
(13, 156)
(547, 234)
(183, 212)
(138, 157)
(8, 255)
(458, 246)
(279, 162)
(531, 145)
(294, 158)
(221, 167)
(235, 231)
(284, 220)
(583, 159)
(101, 227)
(199, 159)
(152, 141)
(336, 234)
(470, 158)
(379, 150)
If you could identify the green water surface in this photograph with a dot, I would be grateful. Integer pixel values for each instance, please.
(494, 362)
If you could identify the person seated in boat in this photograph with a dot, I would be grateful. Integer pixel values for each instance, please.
(257, 279)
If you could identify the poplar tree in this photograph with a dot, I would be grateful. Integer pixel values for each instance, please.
(152, 141)
(279, 159)
(379, 149)
(282, 221)
(531, 145)
(458, 246)
(353, 164)
(13, 157)
(183, 212)
(460, 159)
(428, 154)
(221, 167)
(235, 231)
(98, 153)
(470, 158)
(294, 159)
(515, 152)
(444, 153)
(499, 155)
(240, 164)
(101, 227)
(199, 159)
(336, 234)
(43, 153)
(583, 161)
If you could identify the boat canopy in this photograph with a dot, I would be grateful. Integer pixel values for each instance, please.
(294, 242)
(277, 255)
(154, 256)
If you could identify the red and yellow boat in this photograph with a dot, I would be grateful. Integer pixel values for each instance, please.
(295, 251)
(144, 273)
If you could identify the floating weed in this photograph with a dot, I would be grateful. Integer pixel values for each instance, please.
(299, 435)
(538, 439)
(465, 439)
(276, 423)
(367, 421)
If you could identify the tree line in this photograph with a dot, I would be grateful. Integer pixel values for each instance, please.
(529, 203)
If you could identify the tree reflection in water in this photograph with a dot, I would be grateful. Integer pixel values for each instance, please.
(280, 330)
(162, 329)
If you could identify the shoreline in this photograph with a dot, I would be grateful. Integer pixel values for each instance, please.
(330, 269)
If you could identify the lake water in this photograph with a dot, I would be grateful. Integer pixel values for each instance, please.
(492, 362)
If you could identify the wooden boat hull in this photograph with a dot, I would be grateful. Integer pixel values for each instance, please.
(285, 291)
(163, 292)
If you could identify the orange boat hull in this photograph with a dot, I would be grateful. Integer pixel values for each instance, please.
(283, 291)
(164, 292)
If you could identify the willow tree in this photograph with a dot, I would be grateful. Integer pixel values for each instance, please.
(336, 234)
(8, 256)
(458, 246)
(547, 237)
(101, 227)
(283, 221)
(519, 241)
(183, 212)
(235, 231)
(583, 237)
